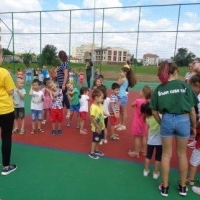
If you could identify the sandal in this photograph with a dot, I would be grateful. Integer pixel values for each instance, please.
(22, 131)
(189, 182)
(133, 154)
(114, 137)
(142, 153)
(40, 130)
(32, 131)
(15, 130)
(121, 128)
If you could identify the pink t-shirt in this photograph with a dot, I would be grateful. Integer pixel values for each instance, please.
(139, 126)
(47, 101)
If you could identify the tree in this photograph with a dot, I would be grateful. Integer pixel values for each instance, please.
(7, 52)
(183, 57)
(48, 55)
(27, 58)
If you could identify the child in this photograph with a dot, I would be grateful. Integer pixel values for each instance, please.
(84, 98)
(56, 113)
(81, 78)
(98, 126)
(20, 73)
(73, 96)
(96, 73)
(194, 159)
(47, 104)
(114, 107)
(36, 105)
(18, 96)
(127, 79)
(71, 77)
(75, 78)
(40, 77)
(97, 83)
(106, 102)
(139, 126)
(154, 141)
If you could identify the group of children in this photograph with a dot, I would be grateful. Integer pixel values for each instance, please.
(49, 99)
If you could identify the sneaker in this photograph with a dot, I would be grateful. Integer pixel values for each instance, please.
(53, 132)
(93, 156)
(156, 175)
(7, 170)
(59, 132)
(182, 190)
(99, 153)
(164, 190)
(146, 172)
(68, 124)
(192, 144)
(196, 190)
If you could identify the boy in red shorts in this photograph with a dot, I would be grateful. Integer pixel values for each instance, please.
(114, 107)
(56, 113)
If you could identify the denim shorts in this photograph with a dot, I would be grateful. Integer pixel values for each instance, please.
(36, 115)
(123, 100)
(175, 125)
(75, 107)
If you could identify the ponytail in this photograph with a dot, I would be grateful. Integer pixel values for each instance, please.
(130, 75)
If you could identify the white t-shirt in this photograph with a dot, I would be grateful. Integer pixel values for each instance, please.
(36, 101)
(84, 103)
(106, 103)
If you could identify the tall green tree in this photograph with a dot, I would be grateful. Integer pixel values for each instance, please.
(183, 57)
(27, 58)
(7, 52)
(49, 55)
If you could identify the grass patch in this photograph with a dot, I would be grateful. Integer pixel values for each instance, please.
(150, 70)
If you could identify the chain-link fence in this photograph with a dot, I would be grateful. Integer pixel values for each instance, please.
(159, 30)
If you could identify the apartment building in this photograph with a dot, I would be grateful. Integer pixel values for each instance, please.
(150, 59)
(79, 52)
(111, 55)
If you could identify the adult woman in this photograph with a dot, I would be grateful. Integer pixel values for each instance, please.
(175, 100)
(62, 78)
(88, 69)
(6, 118)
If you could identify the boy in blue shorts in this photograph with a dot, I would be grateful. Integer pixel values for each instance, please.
(98, 126)
(36, 105)
(73, 96)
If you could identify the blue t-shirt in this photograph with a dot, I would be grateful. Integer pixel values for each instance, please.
(44, 73)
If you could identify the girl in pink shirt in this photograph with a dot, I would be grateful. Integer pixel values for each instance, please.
(139, 126)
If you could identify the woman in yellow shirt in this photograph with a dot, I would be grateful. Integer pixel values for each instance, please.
(6, 118)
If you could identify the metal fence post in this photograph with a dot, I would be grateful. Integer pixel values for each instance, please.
(70, 32)
(102, 41)
(138, 34)
(40, 32)
(13, 37)
(179, 10)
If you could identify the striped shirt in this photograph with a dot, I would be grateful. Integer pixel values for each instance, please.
(114, 100)
(60, 73)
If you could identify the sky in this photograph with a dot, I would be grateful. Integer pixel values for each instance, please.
(119, 25)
